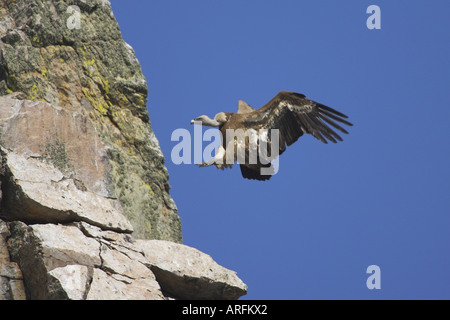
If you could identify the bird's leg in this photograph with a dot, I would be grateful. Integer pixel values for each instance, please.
(206, 163)
(217, 160)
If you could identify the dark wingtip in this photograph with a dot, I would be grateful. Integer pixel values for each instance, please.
(340, 114)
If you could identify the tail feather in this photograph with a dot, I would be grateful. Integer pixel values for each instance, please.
(249, 173)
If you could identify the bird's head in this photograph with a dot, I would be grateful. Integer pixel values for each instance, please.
(218, 120)
(205, 121)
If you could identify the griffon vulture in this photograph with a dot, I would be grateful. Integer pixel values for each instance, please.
(289, 112)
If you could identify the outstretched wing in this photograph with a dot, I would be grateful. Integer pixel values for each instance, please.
(295, 115)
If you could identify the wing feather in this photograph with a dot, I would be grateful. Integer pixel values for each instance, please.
(326, 131)
(334, 124)
(322, 112)
(243, 107)
(321, 106)
(294, 115)
(311, 127)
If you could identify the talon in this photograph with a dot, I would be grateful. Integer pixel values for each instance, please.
(203, 164)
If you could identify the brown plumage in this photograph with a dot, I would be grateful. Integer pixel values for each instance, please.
(289, 112)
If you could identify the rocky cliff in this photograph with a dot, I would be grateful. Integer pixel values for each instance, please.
(85, 208)
(71, 54)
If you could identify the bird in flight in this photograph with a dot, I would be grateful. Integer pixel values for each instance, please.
(279, 123)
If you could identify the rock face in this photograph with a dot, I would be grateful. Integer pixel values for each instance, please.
(85, 210)
(45, 179)
(81, 261)
(71, 54)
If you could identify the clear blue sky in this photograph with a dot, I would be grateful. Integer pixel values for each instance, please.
(380, 197)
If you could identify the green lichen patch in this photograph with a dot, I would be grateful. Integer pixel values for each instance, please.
(56, 154)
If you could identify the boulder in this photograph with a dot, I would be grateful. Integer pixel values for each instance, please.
(11, 279)
(36, 191)
(187, 273)
(81, 261)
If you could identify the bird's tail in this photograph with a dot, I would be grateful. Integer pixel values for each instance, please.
(255, 174)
